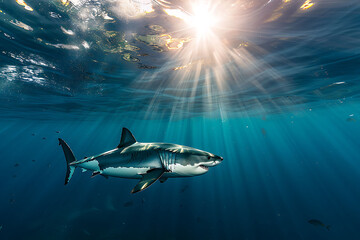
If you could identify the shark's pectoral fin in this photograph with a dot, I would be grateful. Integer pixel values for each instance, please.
(163, 179)
(148, 178)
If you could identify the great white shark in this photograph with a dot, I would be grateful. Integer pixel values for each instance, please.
(145, 161)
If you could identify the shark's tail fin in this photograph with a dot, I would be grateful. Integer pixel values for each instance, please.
(69, 156)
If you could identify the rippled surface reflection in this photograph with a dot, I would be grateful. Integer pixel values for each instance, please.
(176, 58)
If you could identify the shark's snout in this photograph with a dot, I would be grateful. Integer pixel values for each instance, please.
(218, 159)
(213, 161)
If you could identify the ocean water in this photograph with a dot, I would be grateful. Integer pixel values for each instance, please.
(271, 86)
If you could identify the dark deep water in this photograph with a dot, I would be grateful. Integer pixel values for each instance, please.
(273, 87)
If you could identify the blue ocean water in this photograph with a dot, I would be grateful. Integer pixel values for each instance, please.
(271, 86)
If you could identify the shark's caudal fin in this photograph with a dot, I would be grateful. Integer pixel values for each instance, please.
(69, 156)
(127, 138)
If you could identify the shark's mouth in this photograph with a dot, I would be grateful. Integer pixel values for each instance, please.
(204, 167)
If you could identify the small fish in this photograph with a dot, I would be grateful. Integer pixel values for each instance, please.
(44, 138)
(128, 204)
(33, 160)
(351, 119)
(318, 224)
(1, 227)
(33, 134)
(14, 176)
(184, 188)
(57, 131)
(16, 165)
(263, 131)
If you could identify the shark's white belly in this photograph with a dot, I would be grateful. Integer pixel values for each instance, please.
(91, 165)
(121, 172)
(125, 172)
(177, 170)
(184, 171)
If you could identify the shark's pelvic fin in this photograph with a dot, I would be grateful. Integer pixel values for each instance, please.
(148, 178)
(70, 158)
(95, 174)
(163, 179)
(127, 138)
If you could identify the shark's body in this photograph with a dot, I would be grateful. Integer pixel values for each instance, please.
(146, 161)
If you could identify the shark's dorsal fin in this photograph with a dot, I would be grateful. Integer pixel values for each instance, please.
(127, 138)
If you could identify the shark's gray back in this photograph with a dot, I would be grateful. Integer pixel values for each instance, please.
(170, 147)
(128, 159)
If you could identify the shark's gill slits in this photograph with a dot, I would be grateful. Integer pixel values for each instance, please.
(167, 159)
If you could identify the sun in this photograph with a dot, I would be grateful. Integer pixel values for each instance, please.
(203, 20)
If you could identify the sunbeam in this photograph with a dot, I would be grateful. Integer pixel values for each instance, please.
(211, 62)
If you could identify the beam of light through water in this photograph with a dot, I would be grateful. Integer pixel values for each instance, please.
(212, 63)
(186, 57)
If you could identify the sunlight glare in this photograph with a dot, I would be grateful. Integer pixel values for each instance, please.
(203, 20)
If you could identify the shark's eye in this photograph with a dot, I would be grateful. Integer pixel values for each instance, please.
(209, 157)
